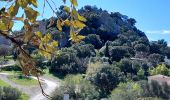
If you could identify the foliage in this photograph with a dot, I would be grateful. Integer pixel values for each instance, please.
(141, 74)
(84, 50)
(94, 40)
(9, 93)
(158, 46)
(160, 69)
(141, 48)
(106, 78)
(126, 91)
(155, 59)
(12, 68)
(77, 88)
(155, 90)
(126, 66)
(68, 62)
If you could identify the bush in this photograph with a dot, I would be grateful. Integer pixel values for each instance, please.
(155, 59)
(68, 63)
(94, 40)
(9, 93)
(155, 90)
(106, 78)
(141, 48)
(84, 50)
(126, 66)
(12, 68)
(77, 88)
(160, 69)
(126, 91)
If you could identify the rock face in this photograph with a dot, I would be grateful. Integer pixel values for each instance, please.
(99, 22)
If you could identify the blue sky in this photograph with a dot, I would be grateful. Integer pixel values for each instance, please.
(152, 16)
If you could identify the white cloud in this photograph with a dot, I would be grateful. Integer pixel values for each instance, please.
(163, 32)
(169, 44)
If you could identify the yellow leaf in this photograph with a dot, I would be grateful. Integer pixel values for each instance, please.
(80, 37)
(51, 23)
(31, 14)
(74, 2)
(59, 25)
(13, 10)
(54, 43)
(72, 34)
(27, 26)
(75, 37)
(66, 22)
(34, 3)
(28, 36)
(6, 24)
(78, 24)
(38, 34)
(23, 3)
(2, 25)
(46, 38)
(81, 18)
(67, 9)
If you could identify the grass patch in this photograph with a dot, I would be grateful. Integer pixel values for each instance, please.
(6, 57)
(2, 83)
(22, 80)
(24, 97)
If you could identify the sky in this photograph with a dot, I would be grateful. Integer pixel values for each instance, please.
(152, 16)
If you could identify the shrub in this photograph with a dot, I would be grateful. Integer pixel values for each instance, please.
(160, 69)
(12, 68)
(126, 91)
(155, 90)
(141, 48)
(155, 59)
(77, 88)
(106, 78)
(94, 40)
(126, 66)
(84, 50)
(9, 93)
(68, 63)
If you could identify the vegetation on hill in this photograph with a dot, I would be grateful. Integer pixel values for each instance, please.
(110, 58)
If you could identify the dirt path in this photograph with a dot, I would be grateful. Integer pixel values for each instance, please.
(33, 92)
(51, 85)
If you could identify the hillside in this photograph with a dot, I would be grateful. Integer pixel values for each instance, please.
(113, 61)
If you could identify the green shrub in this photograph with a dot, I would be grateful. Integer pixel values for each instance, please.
(94, 40)
(9, 93)
(12, 68)
(106, 78)
(68, 63)
(126, 91)
(84, 50)
(160, 69)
